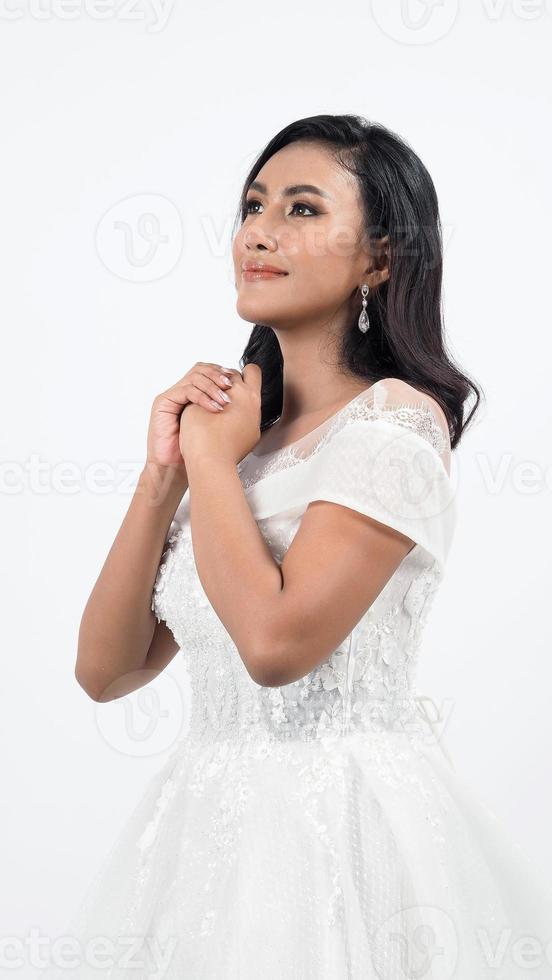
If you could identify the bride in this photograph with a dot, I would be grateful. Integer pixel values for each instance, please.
(310, 824)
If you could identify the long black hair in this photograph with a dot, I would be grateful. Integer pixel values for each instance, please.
(406, 334)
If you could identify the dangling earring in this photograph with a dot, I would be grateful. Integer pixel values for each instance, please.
(363, 321)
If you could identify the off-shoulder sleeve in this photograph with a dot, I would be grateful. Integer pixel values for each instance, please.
(386, 457)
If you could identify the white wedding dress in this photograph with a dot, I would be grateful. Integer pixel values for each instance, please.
(319, 831)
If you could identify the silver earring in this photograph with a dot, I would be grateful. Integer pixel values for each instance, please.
(363, 321)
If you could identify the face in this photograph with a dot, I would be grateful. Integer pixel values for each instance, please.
(316, 238)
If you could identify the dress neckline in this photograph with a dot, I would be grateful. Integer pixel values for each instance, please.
(289, 445)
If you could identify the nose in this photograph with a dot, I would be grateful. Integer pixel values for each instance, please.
(257, 237)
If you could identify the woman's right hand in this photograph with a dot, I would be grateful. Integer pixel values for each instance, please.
(203, 385)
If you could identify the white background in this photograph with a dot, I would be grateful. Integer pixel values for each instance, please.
(175, 104)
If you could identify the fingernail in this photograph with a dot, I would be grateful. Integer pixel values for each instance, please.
(216, 405)
(225, 380)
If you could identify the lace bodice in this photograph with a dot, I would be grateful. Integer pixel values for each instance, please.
(386, 454)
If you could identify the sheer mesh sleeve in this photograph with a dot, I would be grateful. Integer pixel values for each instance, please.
(386, 455)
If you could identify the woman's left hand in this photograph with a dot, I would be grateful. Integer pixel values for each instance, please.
(232, 433)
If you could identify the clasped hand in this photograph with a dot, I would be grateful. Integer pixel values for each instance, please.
(232, 433)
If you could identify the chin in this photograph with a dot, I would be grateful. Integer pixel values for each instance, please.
(255, 312)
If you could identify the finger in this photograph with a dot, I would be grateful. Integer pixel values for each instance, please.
(216, 374)
(204, 379)
(230, 372)
(199, 397)
(186, 392)
(213, 384)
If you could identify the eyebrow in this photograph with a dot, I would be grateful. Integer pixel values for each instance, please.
(256, 185)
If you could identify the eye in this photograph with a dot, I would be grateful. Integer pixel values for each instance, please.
(297, 204)
(301, 204)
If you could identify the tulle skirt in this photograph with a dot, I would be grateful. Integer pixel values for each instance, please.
(360, 857)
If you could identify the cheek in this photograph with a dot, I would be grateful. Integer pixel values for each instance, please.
(327, 275)
(336, 240)
(325, 254)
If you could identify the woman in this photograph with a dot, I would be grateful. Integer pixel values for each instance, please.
(309, 824)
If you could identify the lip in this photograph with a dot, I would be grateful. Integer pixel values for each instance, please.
(251, 274)
(263, 267)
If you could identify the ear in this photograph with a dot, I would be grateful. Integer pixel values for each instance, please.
(378, 270)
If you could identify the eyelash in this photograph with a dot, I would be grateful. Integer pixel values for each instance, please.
(301, 204)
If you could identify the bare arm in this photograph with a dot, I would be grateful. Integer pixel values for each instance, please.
(285, 620)
(121, 646)
(236, 568)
